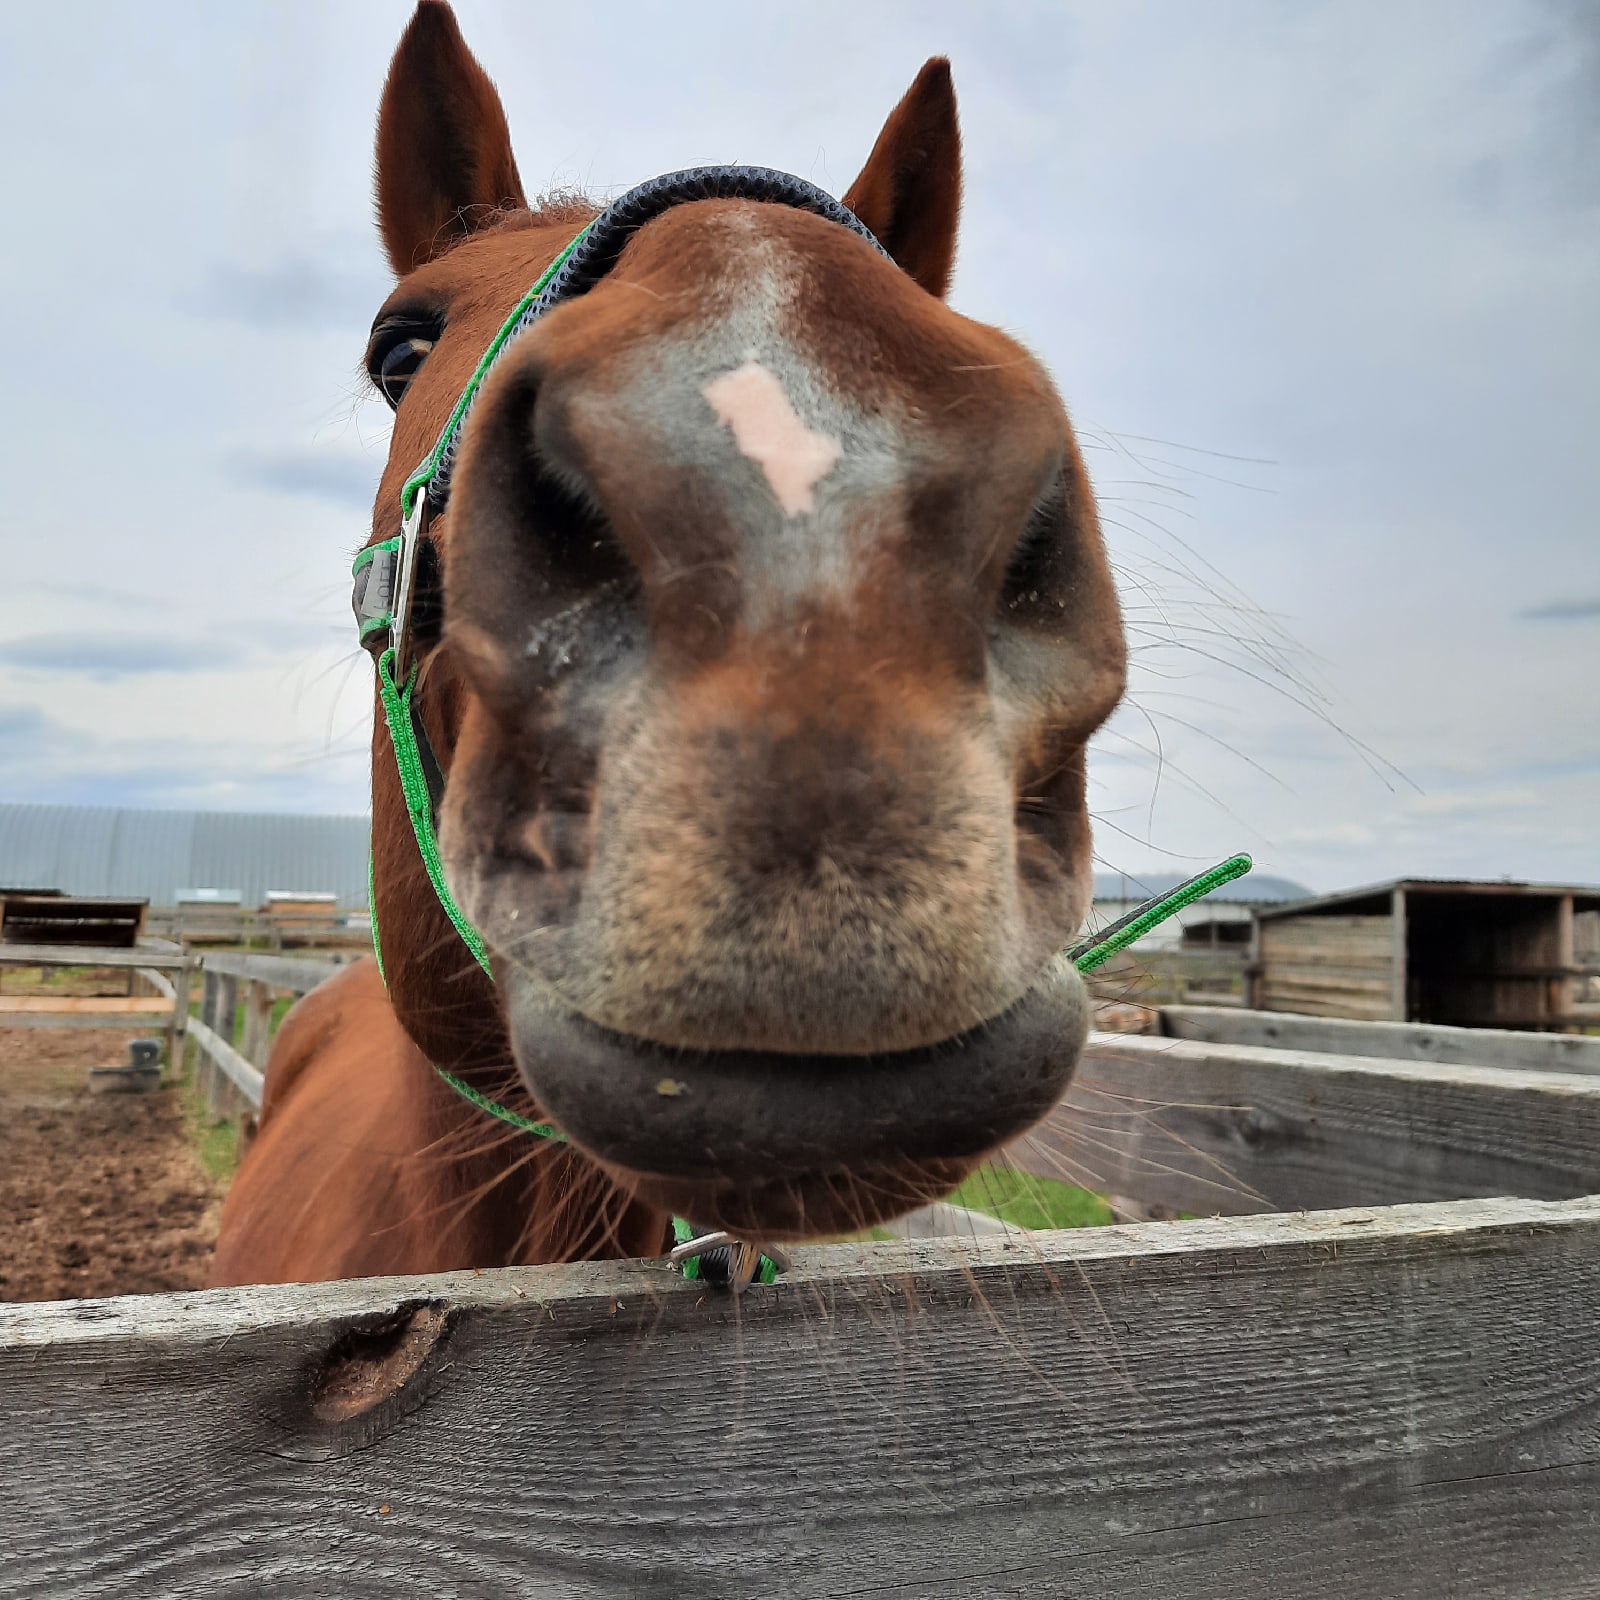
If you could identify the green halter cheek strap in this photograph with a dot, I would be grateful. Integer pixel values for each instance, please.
(400, 713)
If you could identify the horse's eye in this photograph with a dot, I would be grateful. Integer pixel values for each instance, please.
(395, 355)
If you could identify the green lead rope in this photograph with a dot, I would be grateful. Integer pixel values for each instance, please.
(1099, 948)
(398, 714)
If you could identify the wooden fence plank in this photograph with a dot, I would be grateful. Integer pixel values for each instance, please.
(1398, 1041)
(22, 1007)
(160, 983)
(122, 1021)
(1393, 1405)
(296, 973)
(257, 1039)
(226, 1061)
(154, 953)
(1234, 1129)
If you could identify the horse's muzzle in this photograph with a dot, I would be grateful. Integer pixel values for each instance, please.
(736, 1118)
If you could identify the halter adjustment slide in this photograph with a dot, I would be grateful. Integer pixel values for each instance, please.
(372, 600)
(413, 530)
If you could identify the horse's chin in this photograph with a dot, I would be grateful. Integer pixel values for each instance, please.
(808, 1205)
(789, 1146)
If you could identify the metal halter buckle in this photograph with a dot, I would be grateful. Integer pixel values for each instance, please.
(413, 529)
(743, 1258)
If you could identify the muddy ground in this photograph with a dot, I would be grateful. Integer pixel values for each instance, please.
(99, 1194)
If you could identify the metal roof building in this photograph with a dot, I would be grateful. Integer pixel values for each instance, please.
(153, 855)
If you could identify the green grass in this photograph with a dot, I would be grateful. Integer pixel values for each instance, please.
(215, 1140)
(1030, 1202)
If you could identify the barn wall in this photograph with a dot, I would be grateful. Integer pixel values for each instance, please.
(1492, 961)
(1326, 966)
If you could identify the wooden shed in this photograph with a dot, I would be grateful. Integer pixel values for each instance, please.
(34, 916)
(1473, 955)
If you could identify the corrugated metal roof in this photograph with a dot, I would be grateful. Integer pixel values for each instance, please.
(94, 850)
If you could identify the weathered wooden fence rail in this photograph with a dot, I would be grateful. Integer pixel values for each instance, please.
(1186, 1125)
(1388, 1399)
(230, 1076)
(1398, 1041)
(1229, 1128)
(1389, 1403)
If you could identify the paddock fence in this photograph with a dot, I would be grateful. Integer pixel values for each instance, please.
(1367, 1366)
(230, 1048)
(158, 981)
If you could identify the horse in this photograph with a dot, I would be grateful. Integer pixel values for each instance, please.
(769, 620)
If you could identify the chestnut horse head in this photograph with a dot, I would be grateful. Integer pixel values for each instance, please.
(776, 618)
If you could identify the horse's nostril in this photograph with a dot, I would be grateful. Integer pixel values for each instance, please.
(557, 840)
(825, 795)
(569, 527)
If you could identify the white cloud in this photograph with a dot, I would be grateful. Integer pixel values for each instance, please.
(1363, 253)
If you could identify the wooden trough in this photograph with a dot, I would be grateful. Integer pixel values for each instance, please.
(1395, 1394)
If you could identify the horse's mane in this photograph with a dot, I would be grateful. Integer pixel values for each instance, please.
(561, 206)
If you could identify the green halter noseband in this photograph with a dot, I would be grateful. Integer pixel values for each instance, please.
(396, 600)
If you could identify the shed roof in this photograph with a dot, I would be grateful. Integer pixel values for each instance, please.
(1377, 897)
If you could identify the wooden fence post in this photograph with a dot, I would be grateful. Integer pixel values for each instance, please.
(257, 1022)
(205, 1070)
(218, 1088)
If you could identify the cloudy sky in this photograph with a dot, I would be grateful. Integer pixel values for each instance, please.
(1317, 281)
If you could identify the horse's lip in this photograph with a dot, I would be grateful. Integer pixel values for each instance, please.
(732, 1116)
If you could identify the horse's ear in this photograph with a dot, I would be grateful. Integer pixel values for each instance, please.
(444, 152)
(909, 192)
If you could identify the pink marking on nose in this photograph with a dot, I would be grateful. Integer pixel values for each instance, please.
(768, 429)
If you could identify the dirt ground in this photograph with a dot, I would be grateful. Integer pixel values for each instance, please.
(99, 1194)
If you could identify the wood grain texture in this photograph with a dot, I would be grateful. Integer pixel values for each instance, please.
(24, 1006)
(1397, 1041)
(257, 1040)
(1378, 1404)
(298, 974)
(148, 953)
(1234, 1129)
(1326, 965)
